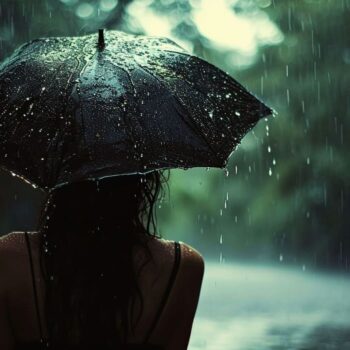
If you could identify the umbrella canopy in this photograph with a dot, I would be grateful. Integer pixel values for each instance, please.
(74, 108)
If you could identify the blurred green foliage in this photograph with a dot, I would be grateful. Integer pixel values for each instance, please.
(286, 197)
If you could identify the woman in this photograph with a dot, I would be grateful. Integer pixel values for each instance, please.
(96, 275)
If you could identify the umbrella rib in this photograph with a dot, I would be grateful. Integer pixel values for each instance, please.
(230, 80)
(131, 135)
(189, 83)
(233, 84)
(80, 104)
(205, 95)
(64, 110)
(193, 126)
(136, 106)
(184, 77)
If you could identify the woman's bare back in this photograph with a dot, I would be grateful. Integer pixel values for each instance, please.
(173, 328)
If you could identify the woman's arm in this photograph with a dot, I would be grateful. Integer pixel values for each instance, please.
(6, 336)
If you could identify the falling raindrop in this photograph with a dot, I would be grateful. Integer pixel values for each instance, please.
(97, 182)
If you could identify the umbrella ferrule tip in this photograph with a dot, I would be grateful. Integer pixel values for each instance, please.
(101, 39)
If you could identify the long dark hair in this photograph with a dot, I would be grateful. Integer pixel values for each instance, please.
(88, 230)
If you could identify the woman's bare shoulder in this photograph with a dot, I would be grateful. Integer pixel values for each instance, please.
(14, 242)
(191, 258)
(183, 299)
(12, 253)
(192, 255)
(10, 243)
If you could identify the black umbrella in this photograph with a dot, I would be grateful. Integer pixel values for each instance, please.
(73, 108)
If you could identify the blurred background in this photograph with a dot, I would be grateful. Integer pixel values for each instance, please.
(274, 227)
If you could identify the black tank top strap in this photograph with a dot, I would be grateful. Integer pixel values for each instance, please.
(168, 289)
(36, 302)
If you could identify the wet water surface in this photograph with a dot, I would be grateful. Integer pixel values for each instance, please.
(247, 307)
